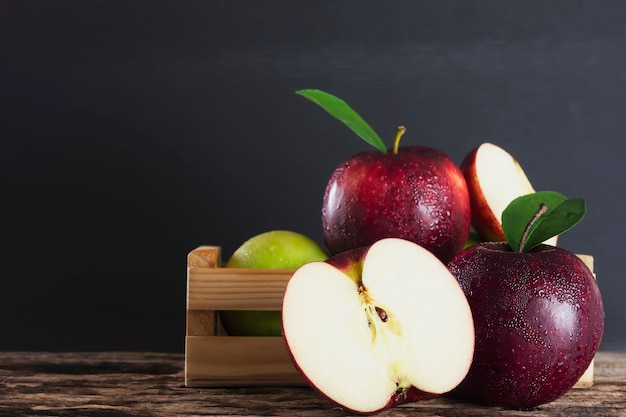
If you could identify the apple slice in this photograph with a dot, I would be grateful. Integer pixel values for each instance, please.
(494, 178)
(379, 326)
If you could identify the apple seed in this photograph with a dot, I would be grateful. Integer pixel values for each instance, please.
(382, 314)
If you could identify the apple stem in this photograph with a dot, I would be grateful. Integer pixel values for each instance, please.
(540, 212)
(396, 142)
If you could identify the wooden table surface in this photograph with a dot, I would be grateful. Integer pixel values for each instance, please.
(102, 384)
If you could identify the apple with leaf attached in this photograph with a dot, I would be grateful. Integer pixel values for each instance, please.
(415, 193)
(379, 326)
(537, 309)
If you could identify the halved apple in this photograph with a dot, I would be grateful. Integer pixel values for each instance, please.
(494, 178)
(379, 326)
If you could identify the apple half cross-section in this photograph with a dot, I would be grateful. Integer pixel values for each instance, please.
(378, 326)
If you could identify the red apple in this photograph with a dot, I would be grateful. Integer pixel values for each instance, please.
(494, 179)
(375, 327)
(539, 320)
(414, 193)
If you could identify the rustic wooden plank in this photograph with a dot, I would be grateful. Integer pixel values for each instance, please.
(152, 384)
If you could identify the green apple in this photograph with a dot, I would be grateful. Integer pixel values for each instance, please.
(279, 249)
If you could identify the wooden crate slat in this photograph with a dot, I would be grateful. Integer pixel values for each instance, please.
(202, 323)
(205, 257)
(238, 361)
(236, 288)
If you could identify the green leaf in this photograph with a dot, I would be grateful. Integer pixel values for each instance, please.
(520, 211)
(561, 215)
(339, 109)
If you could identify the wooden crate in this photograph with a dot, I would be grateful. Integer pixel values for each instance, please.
(213, 358)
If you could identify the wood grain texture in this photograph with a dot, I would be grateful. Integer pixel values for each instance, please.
(236, 288)
(238, 361)
(152, 384)
(205, 257)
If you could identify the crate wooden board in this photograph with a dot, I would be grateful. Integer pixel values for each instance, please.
(214, 359)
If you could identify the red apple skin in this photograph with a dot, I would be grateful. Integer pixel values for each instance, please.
(350, 262)
(418, 194)
(539, 320)
(486, 224)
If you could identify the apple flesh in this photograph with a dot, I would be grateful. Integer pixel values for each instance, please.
(279, 249)
(494, 178)
(414, 193)
(538, 318)
(375, 327)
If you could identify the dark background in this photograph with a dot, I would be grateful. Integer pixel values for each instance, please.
(133, 131)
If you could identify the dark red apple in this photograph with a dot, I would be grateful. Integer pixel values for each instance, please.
(414, 193)
(539, 320)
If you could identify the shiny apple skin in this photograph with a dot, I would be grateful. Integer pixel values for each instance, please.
(418, 194)
(539, 320)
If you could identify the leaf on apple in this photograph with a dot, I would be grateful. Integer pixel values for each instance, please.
(526, 225)
(339, 109)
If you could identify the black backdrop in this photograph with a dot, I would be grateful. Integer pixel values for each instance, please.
(133, 131)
